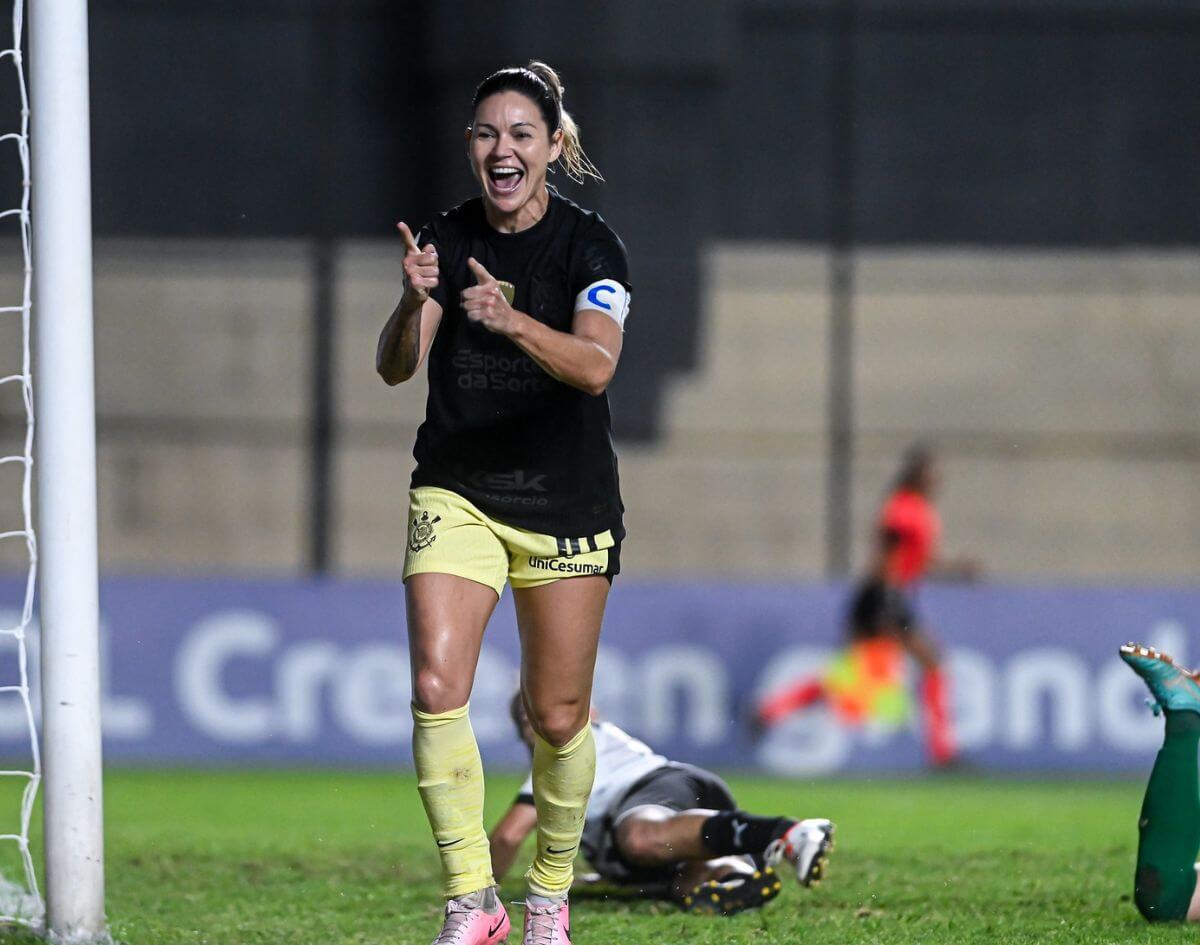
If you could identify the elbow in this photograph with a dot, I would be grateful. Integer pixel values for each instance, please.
(597, 382)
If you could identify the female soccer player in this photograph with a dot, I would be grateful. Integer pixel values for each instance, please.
(1164, 885)
(866, 680)
(519, 297)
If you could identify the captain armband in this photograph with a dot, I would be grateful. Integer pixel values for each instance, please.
(607, 296)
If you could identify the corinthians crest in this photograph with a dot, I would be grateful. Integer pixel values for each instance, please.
(422, 535)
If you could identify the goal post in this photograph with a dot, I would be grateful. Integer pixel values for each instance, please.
(66, 464)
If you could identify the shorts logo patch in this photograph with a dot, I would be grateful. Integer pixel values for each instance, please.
(422, 535)
(565, 566)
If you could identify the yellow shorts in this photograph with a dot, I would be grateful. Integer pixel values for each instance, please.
(448, 535)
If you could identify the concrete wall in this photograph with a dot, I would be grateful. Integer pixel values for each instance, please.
(1065, 391)
(1061, 388)
(201, 394)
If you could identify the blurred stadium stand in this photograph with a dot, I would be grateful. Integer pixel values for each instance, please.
(1018, 179)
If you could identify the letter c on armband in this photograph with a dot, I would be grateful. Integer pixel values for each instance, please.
(607, 296)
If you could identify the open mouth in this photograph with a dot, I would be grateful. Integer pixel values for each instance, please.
(505, 180)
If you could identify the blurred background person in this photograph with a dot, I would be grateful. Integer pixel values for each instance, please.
(866, 682)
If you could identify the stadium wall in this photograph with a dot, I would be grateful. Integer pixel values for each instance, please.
(1060, 387)
(316, 673)
(1020, 176)
(1008, 123)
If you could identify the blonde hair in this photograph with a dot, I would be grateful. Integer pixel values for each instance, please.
(575, 160)
(541, 83)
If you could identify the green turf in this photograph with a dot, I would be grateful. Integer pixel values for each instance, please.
(281, 858)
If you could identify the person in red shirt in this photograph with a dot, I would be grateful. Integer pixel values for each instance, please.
(909, 529)
(866, 681)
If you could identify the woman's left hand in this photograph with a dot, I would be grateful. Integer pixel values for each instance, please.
(485, 303)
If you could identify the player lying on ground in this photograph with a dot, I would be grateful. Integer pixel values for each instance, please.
(1164, 886)
(866, 682)
(671, 830)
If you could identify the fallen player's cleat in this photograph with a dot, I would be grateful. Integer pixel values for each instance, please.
(806, 845)
(734, 893)
(1173, 687)
(475, 919)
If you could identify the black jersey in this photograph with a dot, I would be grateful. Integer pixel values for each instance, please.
(520, 445)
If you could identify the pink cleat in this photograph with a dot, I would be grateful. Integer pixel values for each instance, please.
(475, 919)
(547, 921)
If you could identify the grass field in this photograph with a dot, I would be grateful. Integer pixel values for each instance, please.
(286, 857)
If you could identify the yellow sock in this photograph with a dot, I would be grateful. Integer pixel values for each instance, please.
(450, 779)
(562, 783)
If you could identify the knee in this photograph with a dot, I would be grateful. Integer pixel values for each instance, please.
(434, 691)
(557, 724)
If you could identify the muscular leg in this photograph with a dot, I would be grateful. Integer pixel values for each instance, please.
(652, 835)
(560, 631)
(559, 625)
(446, 619)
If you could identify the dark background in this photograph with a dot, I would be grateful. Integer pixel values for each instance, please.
(1026, 123)
(1031, 123)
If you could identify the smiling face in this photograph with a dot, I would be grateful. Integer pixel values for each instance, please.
(510, 147)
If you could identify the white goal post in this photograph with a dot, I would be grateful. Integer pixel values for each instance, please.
(66, 464)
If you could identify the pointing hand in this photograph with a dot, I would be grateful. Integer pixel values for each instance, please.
(485, 303)
(420, 266)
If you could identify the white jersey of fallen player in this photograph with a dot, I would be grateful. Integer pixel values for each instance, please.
(621, 761)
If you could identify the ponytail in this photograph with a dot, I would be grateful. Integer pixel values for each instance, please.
(541, 83)
(575, 160)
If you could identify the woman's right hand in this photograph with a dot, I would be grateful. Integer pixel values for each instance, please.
(420, 268)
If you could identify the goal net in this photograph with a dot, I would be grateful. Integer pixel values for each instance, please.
(20, 896)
